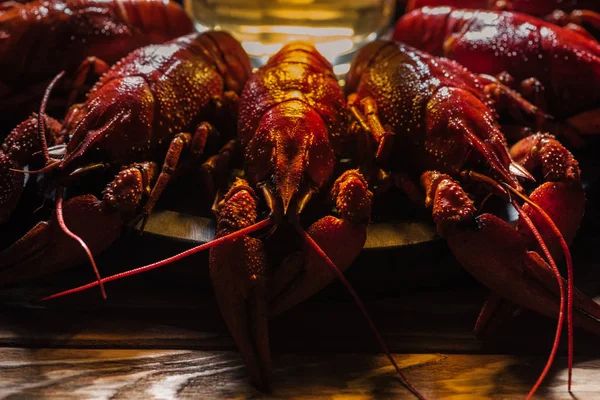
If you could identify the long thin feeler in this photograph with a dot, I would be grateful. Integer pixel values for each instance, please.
(311, 242)
(67, 231)
(42, 117)
(540, 240)
(570, 283)
(252, 228)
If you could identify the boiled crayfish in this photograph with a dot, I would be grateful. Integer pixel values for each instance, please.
(572, 14)
(41, 38)
(152, 107)
(428, 118)
(293, 125)
(559, 69)
(435, 121)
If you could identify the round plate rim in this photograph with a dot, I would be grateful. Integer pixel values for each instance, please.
(197, 230)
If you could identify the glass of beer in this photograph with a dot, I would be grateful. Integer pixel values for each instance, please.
(337, 28)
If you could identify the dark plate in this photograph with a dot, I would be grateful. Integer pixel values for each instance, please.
(380, 235)
(407, 229)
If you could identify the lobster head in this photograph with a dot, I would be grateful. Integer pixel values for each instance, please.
(291, 153)
(459, 130)
(289, 128)
(115, 124)
(229, 58)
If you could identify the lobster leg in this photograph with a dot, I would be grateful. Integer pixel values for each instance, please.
(504, 97)
(585, 18)
(533, 90)
(90, 64)
(576, 21)
(239, 272)
(369, 121)
(495, 311)
(340, 238)
(214, 170)
(46, 248)
(180, 142)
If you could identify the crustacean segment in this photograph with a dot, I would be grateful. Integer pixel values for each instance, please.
(293, 122)
(555, 68)
(148, 110)
(41, 38)
(437, 119)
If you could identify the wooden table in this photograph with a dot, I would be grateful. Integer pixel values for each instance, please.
(161, 336)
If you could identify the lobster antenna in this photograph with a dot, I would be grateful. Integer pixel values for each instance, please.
(542, 244)
(45, 169)
(570, 283)
(63, 226)
(42, 131)
(42, 115)
(490, 156)
(227, 238)
(313, 245)
(566, 252)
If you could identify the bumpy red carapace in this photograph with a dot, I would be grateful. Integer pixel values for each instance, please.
(558, 69)
(41, 38)
(434, 120)
(157, 106)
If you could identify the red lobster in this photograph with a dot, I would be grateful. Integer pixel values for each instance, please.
(41, 38)
(572, 14)
(151, 107)
(437, 119)
(293, 125)
(560, 69)
(538, 8)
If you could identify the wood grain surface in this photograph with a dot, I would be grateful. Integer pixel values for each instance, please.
(160, 335)
(174, 345)
(193, 374)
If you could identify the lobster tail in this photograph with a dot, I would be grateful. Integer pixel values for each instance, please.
(151, 19)
(229, 58)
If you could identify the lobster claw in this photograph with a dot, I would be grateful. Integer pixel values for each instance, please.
(46, 249)
(238, 270)
(505, 260)
(305, 273)
(21, 148)
(504, 265)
